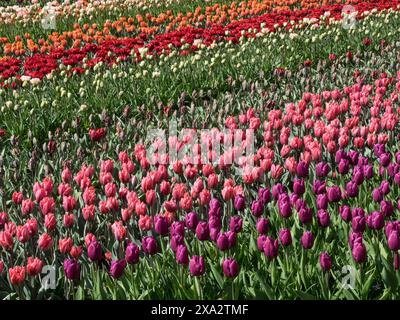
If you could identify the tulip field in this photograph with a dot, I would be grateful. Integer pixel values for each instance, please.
(199, 149)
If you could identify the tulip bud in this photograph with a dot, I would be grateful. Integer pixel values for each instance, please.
(235, 224)
(262, 225)
(95, 252)
(307, 240)
(72, 269)
(182, 255)
(239, 203)
(196, 266)
(270, 248)
(230, 268)
(394, 240)
(359, 252)
(285, 237)
(325, 261)
(117, 268)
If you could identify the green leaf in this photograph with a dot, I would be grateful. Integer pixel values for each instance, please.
(197, 286)
(217, 277)
(143, 295)
(79, 295)
(305, 295)
(267, 289)
(367, 285)
(383, 251)
(389, 278)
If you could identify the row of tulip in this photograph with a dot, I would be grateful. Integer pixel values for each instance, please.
(121, 14)
(199, 265)
(144, 27)
(323, 204)
(153, 79)
(91, 207)
(87, 11)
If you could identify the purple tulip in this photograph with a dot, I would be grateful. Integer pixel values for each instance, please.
(305, 215)
(260, 242)
(392, 169)
(376, 220)
(72, 269)
(214, 222)
(322, 169)
(262, 225)
(392, 226)
(397, 156)
(394, 241)
(334, 194)
(384, 159)
(344, 166)
(357, 212)
(340, 154)
(277, 190)
(299, 187)
(322, 201)
(285, 209)
(214, 233)
(377, 195)
(387, 208)
(397, 178)
(270, 248)
(239, 202)
(178, 227)
(368, 171)
(362, 161)
(358, 224)
(196, 266)
(214, 203)
(354, 238)
(117, 268)
(325, 261)
(353, 157)
(358, 175)
(160, 225)
(95, 252)
(230, 268)
(379, 149)
(257, 208)
(202, 231)
(300, 203)
(215, 207)
(385, 187)
(222, 242)
(285, 237)
(319, 187)
(323, 218)
(359, 252)
(182, 254)
(175, 241)
(149, 245)
(236, 224)
(381, 171)
(307, 240)
(191, 220)
(345, 213)
(215, 212)
(264, 195)
(293, 199)
(352, 189)
(302, 169)
(231, 238)
(132, 252)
